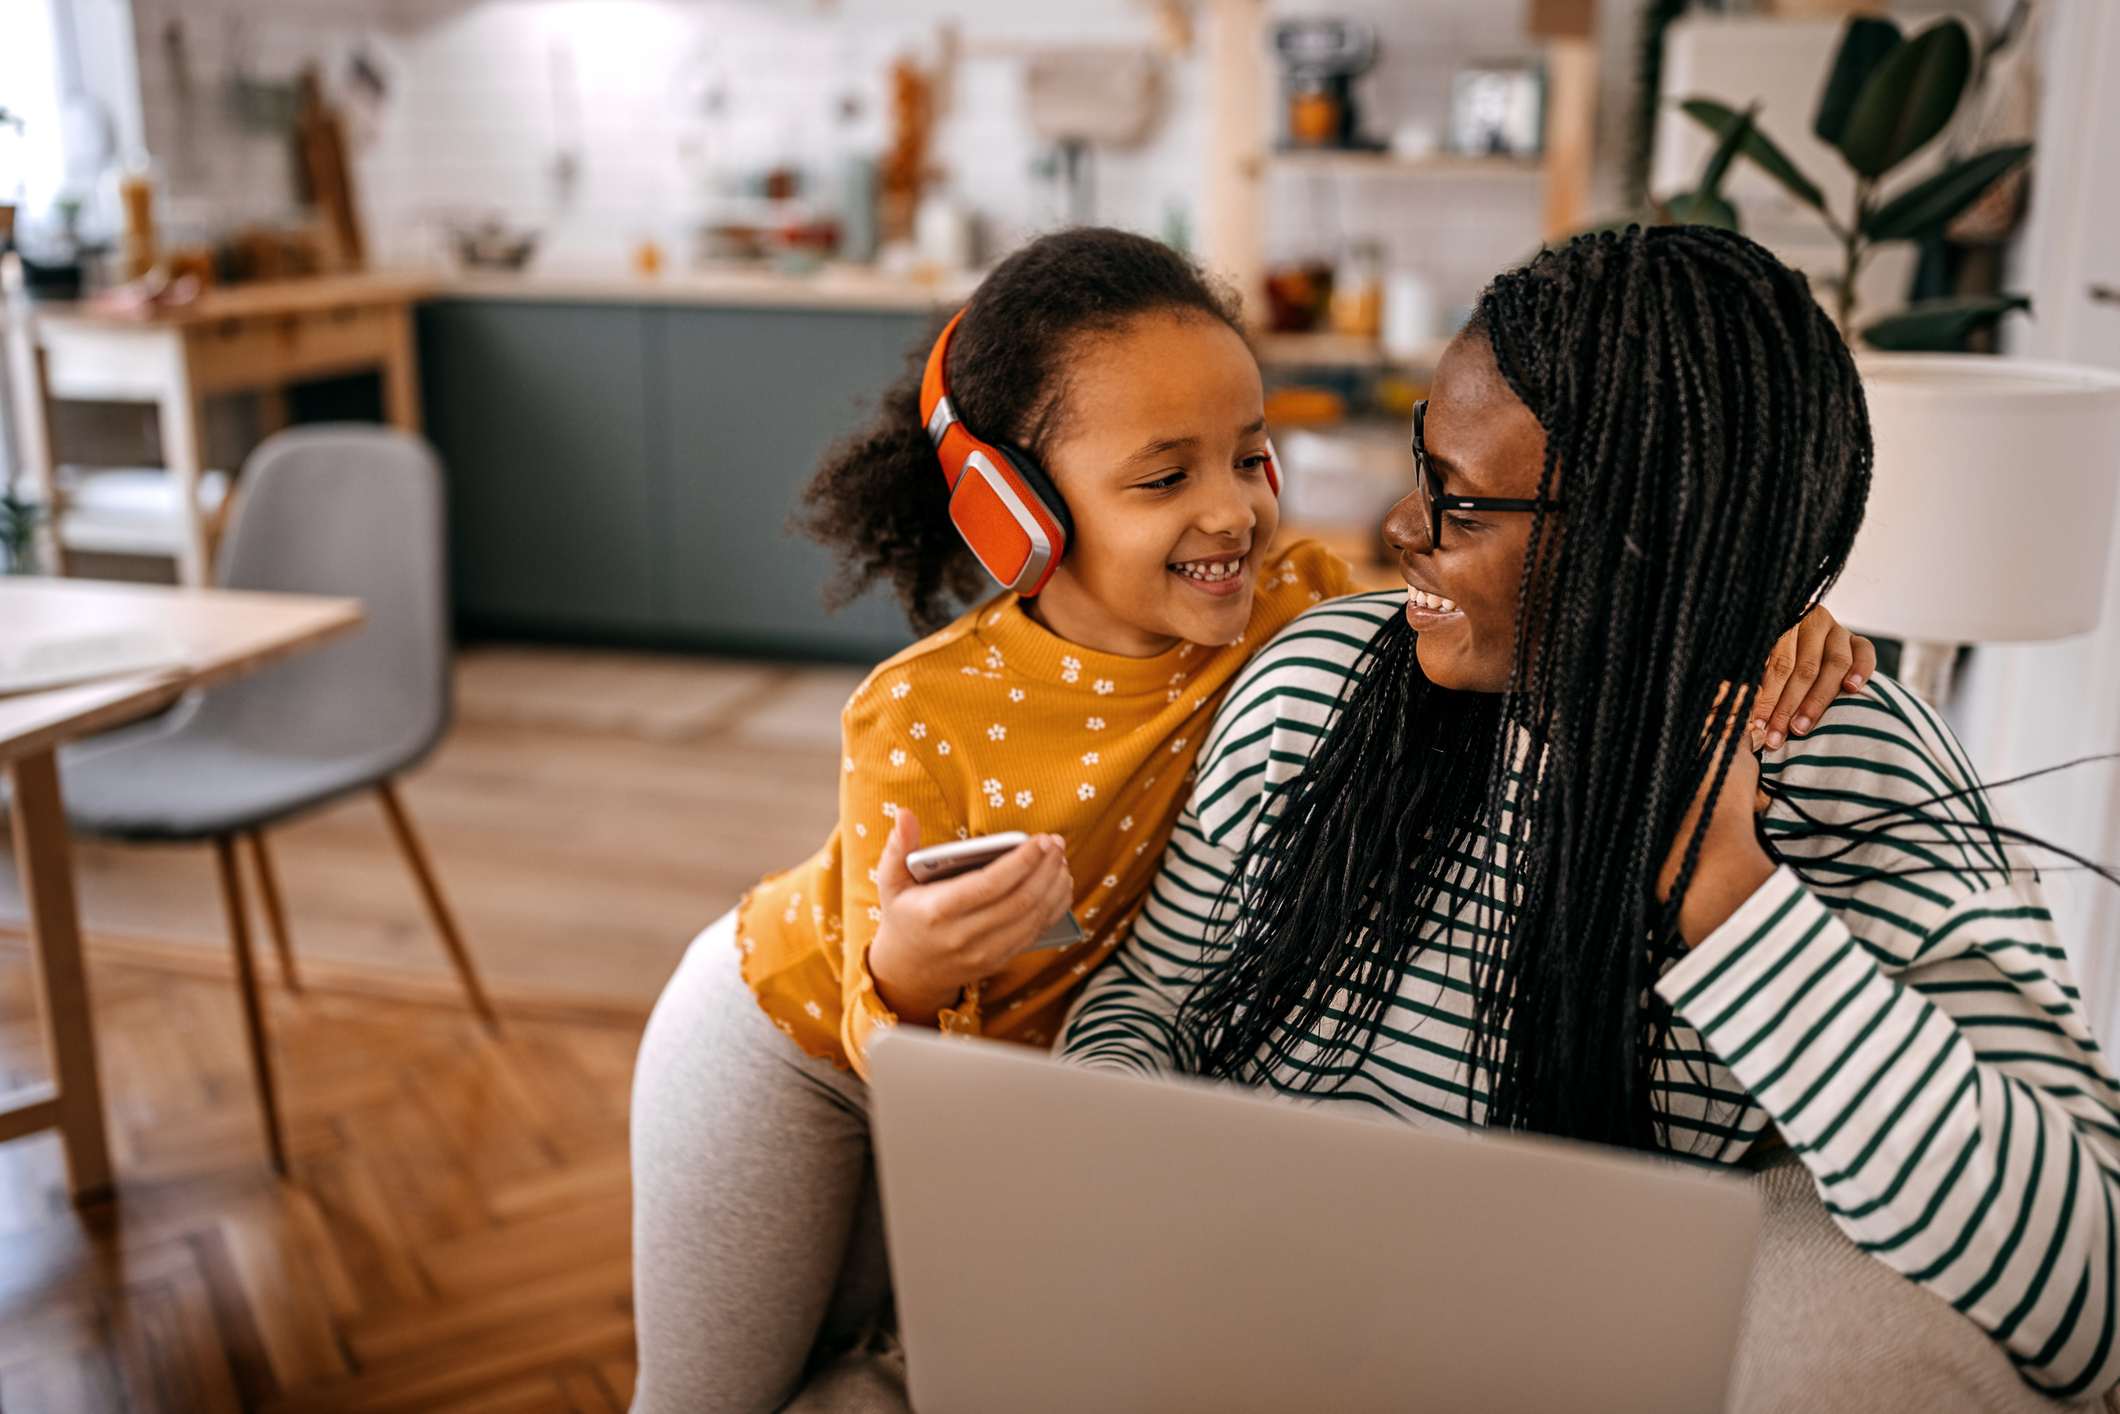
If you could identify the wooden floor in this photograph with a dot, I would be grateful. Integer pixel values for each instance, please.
(452, 1236)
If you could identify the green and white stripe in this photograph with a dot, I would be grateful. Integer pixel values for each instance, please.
(1917, 1039)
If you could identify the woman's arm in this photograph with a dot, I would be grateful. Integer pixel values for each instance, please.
(1935, 1071)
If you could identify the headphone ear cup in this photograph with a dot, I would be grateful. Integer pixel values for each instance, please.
(1034, 477)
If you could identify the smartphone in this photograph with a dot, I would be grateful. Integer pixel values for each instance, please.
(947, 861)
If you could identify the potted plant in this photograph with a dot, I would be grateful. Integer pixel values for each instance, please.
(1888, 96)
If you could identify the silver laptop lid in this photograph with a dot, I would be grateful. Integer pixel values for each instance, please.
(1066, 1240)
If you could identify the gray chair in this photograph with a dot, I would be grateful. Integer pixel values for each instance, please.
(346, 510)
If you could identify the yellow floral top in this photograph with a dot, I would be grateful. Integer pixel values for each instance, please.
(994, 724)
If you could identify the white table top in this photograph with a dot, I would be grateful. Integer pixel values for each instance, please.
(225, 634)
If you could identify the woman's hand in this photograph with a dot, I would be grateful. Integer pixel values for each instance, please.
(1732, 863)
(937, 938)
(1812, 664)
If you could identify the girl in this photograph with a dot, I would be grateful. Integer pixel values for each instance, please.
(1546, 906)
(1074, 716)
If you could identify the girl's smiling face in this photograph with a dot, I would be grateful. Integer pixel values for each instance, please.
(1161, 454)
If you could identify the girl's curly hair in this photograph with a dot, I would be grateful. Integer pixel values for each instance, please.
(879, 502)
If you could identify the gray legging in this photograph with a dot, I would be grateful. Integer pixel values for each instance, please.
(757, 1236)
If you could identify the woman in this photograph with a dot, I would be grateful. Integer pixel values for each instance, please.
(1438, 864)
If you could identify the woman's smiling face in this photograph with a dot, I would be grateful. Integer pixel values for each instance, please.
(1481, 441)
(1162, 458)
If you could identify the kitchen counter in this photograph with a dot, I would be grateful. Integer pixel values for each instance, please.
(849, 287)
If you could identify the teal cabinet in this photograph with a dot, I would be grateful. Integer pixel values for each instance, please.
(626, 473)
(539, 412)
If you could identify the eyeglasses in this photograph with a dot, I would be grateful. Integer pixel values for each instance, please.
(1434, 502)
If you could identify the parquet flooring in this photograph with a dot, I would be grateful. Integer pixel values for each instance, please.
(453, 1235)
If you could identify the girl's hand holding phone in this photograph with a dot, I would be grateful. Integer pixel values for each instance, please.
(937, 938)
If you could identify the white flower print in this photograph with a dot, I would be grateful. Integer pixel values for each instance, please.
(1085, 791)
(849, 764)
(1111, 881)
(875, 914)
(1177, 746)
(788, 916)
(901, 689)
(1015, 694)
(897, 758)
(890, 811)
(1089, 758)
(872, 876)
(917, 730)
(750, 945)
(992, 790)
(963, 833)
(813, 1009)
(942, 748)
(1079, 968)
(969, 672)
(861, 829)
(1096, 724)
(1103, 687)
(1023, 800)
(993, 657)
(1127, 823)
(1070, 669)
(1089, 913)
(1171, 696)
(1177, 677)
(997, 732)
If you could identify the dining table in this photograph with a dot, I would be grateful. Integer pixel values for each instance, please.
(205, 637)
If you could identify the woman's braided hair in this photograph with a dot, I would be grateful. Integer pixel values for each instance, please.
(879, 502)
(1707, 430)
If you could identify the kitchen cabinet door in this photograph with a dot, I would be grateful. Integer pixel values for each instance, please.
(540, 413)
(750, 400)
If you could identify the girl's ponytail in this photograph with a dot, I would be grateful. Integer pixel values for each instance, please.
(878, 500)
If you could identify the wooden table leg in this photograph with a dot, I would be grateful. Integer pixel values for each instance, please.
(184, 453)
(401, 373)
(44, 857)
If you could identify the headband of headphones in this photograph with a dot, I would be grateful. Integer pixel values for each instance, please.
(1001, 501)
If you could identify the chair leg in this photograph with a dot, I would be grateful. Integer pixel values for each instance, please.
(224, 847)
(437, 906)
(275, 910)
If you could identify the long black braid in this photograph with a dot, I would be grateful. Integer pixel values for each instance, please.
(1704, 421)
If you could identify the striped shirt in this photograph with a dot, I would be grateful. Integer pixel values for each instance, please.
(1917, 1039)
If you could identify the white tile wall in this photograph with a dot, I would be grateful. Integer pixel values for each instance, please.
(672, 95)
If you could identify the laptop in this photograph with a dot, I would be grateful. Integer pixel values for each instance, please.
(1084, 1242)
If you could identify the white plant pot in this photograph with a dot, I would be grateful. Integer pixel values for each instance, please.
(1991, 509)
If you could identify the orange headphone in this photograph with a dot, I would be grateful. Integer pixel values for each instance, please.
(1001, 501)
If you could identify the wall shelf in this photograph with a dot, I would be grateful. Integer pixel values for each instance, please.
(1354, 162)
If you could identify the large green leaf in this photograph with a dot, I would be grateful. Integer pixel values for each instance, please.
(1940, 325)
(1869, 39)
(1702, 208)
(1717, 117)
(1908, 99)
(1927, 207)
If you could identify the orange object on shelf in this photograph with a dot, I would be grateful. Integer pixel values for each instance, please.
(1300, 405)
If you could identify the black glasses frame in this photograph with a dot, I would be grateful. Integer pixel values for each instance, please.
(1431, 487)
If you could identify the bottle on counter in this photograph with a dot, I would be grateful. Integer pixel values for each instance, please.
(1358, 292)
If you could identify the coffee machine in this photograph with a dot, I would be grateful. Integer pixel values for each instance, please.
(1320, 60)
